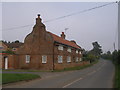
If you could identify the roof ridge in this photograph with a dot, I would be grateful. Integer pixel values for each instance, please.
(64, 41)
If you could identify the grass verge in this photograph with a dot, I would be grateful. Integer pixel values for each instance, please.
(22, 70)
(76, 68)
(12, 77)
(117, 76)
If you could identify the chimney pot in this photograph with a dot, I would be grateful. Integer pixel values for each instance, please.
(63, 35)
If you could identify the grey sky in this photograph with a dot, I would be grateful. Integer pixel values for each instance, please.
(96, 25)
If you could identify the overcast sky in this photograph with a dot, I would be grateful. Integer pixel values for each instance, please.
(96, 25)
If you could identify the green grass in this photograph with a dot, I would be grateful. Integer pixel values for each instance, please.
(76, 68)
(12, 77)
(22, 70)
(117, 76)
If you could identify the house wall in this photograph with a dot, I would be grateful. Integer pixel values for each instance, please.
(39, 42)
(4, 46)
(65, 53)
(12, 61)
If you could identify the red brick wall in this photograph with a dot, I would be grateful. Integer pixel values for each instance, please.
(12, 61)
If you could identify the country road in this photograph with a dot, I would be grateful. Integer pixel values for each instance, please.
(100, 75)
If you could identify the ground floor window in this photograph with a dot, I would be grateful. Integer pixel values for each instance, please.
(60, 59)
(68, 59)
(44, 59)
(27, 58)
(80, 59)
(76, 59)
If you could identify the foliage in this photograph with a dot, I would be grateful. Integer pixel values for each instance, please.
(8, 52)
(107, 55)
(12, 77)
(117, 76)
(96, 49)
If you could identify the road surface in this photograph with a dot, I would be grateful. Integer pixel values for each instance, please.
(100, 75)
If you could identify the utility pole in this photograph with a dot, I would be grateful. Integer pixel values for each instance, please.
(114, 46)
(118, 25)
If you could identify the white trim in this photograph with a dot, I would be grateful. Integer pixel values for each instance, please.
(68, 59)
(76, 59)
(44, 58)
(6, 62)
(69, 50)
(60, 47)
(27, 58)
(60, 59)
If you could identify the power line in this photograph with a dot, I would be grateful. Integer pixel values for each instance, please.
(80, 12)
(83, 11)
(14, 28)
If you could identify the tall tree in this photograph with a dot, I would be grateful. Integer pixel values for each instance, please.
(96, 49)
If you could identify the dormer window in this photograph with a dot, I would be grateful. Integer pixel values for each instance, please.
(60, 47)
(69, 49)
(76, 51)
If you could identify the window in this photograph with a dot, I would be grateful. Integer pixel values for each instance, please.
(76, 59)
(60, 59)
(60, 47)
(80, 52)
(76, 51)
(80, 59)
(14, 49)
(69, 49)
(44, 59)
(1, 47)
(68, 59)
(27, 58)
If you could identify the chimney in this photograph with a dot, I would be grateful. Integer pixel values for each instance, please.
(38, 20)
(63, 35)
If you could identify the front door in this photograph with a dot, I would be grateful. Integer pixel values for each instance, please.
(6, 62)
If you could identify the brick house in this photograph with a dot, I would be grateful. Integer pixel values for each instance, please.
(7, 59)
(44, 50)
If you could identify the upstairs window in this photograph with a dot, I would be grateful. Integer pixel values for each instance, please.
(27, 58)
(60, 47)
(68, 59)
(60, 59)
(76, 51)
(69, 49)
(44, 59)
(76, 59)
(80, 52)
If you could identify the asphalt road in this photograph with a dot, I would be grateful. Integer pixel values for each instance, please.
(100, 75)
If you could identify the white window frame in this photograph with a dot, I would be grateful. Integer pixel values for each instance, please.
(27, 58)
(77, 51)
(60, 59)
(69, 50)
(80, 59)
(44, 58)
(60, 47)
(80, 52)
(1, 47)
(68, 59)
(76, 59)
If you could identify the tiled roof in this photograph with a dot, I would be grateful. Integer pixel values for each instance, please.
(14, 45)
(63, 41)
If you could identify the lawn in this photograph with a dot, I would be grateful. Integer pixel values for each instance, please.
(12, 77)
(117, 77)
